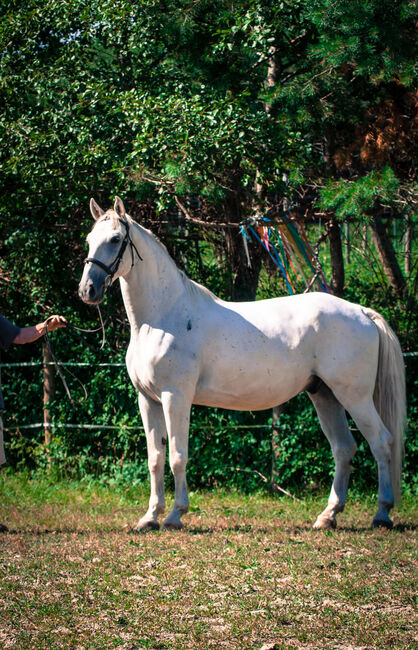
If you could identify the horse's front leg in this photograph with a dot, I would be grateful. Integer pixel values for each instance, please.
(176, 408)
(154, 423)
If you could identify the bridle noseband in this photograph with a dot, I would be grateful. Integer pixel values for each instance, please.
(113, 267)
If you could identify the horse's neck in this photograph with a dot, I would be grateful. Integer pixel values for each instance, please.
(154, 285)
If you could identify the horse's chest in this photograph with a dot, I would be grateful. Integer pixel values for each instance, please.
(157, 362)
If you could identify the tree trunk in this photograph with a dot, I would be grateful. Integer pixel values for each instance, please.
(364, 239)
(273, 72)
(407, 242)
(387, 255)
(244, 279)
(49, 390)
(347, 242)
(337, 260)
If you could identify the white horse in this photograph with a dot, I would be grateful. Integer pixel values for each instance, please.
(189, 347)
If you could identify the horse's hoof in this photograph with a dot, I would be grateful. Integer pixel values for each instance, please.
(382, 523)
(324, 523)
(3, 528)
(172, 525)
(146, 526)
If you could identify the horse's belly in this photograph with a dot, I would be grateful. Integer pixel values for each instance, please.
(248, 386)
(241, 403)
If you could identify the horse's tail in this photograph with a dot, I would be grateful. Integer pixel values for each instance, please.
(390, 394)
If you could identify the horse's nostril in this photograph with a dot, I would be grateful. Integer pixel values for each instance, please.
(86, 291)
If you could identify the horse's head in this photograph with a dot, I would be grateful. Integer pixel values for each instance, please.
(107, 258)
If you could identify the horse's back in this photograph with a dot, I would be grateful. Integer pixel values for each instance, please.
(291, 320)
(301, 308)
(257, 354)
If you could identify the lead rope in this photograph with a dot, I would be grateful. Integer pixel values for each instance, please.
(103, 328)
(59, 367)
(96, 329)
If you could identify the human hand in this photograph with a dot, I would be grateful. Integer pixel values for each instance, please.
(54, 322)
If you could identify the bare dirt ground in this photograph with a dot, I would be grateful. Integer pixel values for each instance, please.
(246, 572)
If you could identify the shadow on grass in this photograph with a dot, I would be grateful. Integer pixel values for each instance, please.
(291, 530)
(402, 528)
(63, 531)
(202, 530)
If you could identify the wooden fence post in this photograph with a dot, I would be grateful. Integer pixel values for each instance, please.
(49, 390)
(275, 444)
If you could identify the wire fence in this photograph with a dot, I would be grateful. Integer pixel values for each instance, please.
(67, 425)
(24, 364)
(27, 364)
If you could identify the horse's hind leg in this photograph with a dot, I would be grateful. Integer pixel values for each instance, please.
(334, 424)
(379, 438)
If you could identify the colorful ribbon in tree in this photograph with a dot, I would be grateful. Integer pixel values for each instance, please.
(288, 247)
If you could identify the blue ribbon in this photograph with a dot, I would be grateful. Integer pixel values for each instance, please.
(276, 258)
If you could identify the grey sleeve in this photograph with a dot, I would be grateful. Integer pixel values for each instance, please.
(8, 332)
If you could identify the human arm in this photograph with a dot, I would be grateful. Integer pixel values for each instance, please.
(33, 333)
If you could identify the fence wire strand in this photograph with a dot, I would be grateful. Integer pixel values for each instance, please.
(65, 425)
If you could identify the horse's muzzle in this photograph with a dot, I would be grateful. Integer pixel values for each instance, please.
(89, 293)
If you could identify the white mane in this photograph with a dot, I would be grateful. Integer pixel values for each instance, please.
(192, 287)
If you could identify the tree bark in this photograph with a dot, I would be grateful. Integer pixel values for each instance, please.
(387, 255)
(407, 241)
(273, 73)
(337, 259)
(347, 242)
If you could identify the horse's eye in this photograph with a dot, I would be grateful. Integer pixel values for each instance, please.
(115, 239)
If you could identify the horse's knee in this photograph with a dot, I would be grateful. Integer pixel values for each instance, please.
(178, 462)
(344, 455)
(381, 448)
(156, 462)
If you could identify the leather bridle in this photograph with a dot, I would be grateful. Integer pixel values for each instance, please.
(113, 267)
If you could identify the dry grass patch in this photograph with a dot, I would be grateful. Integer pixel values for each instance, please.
(246, 572)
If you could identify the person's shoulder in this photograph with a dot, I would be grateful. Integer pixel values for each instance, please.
(6, 322)
(8, 332)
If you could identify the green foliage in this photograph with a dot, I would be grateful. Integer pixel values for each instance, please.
(358, 198)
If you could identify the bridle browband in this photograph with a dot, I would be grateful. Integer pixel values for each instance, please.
(113, 267)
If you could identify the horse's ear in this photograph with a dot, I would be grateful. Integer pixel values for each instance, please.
(119, 208)
(96, 211)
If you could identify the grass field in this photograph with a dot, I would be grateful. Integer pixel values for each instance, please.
(246, 572)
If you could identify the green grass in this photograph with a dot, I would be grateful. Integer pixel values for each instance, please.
(245, 572)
